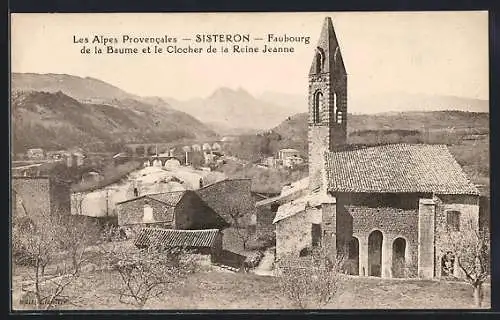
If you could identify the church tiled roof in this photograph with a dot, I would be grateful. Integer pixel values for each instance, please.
(397, 168)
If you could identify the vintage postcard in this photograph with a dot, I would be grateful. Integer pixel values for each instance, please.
(250, 161)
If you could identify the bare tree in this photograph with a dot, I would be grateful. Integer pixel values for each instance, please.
(77, 202)
(76, 237)
(45, 242)
(146, 274)
(310, 282)
(470, 248)
(239, 223)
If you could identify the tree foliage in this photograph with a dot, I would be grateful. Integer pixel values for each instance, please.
(470, 248)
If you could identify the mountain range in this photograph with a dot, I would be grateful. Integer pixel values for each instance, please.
(57, 110)
(61, 111)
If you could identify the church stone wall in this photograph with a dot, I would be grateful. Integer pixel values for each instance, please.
(426, 231)
(393, 222)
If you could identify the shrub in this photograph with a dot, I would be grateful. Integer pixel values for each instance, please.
(310, 282)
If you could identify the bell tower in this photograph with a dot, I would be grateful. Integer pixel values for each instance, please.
(327, 126)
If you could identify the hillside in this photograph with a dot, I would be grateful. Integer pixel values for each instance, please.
(82, 89)
(56, 120)
(296, 126)
(384, 102)
(465, 133)
(233, 111)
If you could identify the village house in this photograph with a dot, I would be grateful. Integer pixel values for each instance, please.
(40, 195)
(229, 197)
(121, 158)
(35, 154)
(169, 210)
(206, 243)
(387, 208)
(234, 201)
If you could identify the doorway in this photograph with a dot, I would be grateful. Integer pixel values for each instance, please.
(398, 258)
(354, 256)
(375, 253)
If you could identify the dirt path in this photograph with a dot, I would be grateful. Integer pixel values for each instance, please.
(265, 267)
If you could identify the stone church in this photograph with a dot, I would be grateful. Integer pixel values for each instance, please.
(385, 207)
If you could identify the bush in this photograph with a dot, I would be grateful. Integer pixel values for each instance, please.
(310, 282)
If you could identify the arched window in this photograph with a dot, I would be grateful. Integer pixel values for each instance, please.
(453, 220)
(319, 62)
(148, 214)
(318, 100)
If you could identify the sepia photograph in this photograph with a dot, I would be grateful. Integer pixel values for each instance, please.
(264, 161)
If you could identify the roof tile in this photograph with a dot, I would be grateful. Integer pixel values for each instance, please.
(176, 238)
(397, 168)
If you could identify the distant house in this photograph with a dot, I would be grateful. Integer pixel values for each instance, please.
(206, 242)
(120, 158)
(216, 147)
(41, 195)
(206, 147)
(74, 159)
(196, 147)
(171, 210)
(35, 154)
(292, 161)
(289, 157)
(270, 162)
(285, 153)
(172, 163)
(91, 176)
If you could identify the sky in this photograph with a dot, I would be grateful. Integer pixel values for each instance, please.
(443, 53)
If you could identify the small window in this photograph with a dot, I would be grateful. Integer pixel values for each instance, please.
(148, 214)
(316, 234)
(453, 220)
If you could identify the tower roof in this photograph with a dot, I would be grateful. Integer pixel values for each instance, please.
(329, 50)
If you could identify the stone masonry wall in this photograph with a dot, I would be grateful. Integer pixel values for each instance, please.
(292, 235)
(468, 206)
(132, 212)
(230, 195)
(392, 222)
(193, 213)
(60, 196)
(265, 217)
(33, 193)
